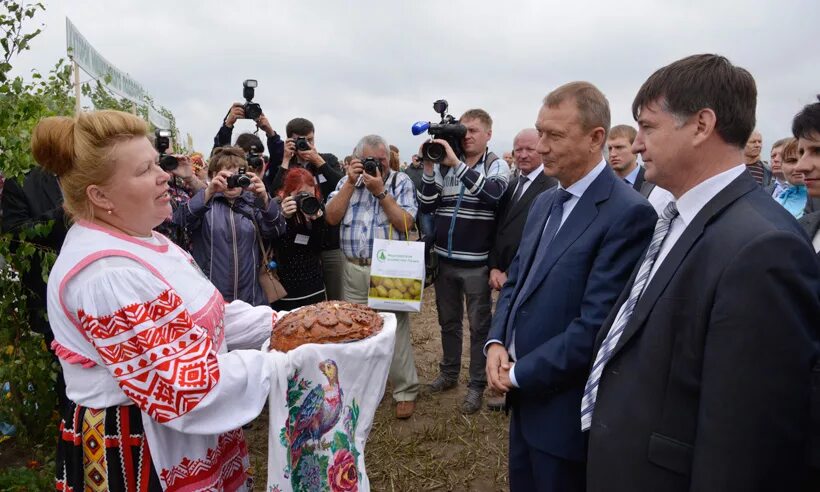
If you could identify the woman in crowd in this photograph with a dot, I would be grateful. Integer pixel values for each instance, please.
(298, 252)
(156, 399)
(227, 220)
(794, 196)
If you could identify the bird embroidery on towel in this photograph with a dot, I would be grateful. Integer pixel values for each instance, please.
(319, 412)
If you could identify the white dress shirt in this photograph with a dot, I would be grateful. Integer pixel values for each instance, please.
(530, 178)
(816, 242)
(577, 190)
(689, 204)
(633, 176)
(659, 199)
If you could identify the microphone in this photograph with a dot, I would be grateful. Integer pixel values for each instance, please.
(420, 127)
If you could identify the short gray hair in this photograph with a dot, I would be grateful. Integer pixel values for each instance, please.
(370, 141)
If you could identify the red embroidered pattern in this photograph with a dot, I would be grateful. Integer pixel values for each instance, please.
(222, 468)
(167, 367)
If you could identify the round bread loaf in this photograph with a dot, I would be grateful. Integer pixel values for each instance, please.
(325, 322)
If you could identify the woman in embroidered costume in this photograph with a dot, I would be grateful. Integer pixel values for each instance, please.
(158, 400)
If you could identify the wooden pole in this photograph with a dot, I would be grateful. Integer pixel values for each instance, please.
(77, 91)
(133, 108)
(190, 143)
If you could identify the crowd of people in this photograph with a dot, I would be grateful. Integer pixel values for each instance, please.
(657, 325)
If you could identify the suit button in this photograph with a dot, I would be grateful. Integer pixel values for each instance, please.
(522, 312)
(613, 372)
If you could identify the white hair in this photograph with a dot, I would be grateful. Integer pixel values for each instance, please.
(370, 141)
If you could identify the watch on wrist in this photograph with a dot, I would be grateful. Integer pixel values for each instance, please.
(381, 195)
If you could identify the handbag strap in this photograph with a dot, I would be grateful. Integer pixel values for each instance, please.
(262, 250)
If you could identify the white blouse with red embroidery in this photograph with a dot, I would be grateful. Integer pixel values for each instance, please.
(136, 322)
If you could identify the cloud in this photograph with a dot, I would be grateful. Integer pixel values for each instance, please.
(376, 67)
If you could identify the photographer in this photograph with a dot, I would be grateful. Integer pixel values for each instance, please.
(298, 251)
(301, 153)
(183, 184)
(463, 192)
(223, 220)
(276, 147)
(383, 198)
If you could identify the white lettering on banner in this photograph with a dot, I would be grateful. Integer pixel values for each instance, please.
(157, 119)
(81, 51)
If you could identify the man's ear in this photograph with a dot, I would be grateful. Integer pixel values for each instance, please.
(705, 125)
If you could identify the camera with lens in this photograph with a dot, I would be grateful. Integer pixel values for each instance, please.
(239, 180)
(302, 144)
(254, 158)
(307, 203)
(371, 165)
(252, 110)
(162, 142)
(449, 129)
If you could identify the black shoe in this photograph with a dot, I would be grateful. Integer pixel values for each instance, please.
(472, 401)
(441, 383)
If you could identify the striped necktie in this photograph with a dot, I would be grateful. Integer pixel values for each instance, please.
(617, 328)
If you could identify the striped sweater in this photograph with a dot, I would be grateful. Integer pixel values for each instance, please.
(464, 201)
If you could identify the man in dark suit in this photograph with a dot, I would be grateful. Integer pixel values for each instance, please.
(625, 164)
(580, 242)
(621, 159)
(514, 205)
(702, 372)
(513, 209)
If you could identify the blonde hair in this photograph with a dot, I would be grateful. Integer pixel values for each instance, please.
(480, 115)
(625, 131)
(593, 107)
(78, 150)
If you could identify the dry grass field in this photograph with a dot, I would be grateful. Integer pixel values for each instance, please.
(438, 448)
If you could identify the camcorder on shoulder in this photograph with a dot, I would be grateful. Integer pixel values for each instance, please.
(239, 179)
(162, 141)
(252, 110)
(308, 204)
(449, 129)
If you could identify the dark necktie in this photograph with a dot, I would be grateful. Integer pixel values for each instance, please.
(522, 180)
(553, 223)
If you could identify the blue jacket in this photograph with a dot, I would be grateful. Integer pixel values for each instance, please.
(557, 318)
(225, 245)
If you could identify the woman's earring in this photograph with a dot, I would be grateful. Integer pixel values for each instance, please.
(110, 211)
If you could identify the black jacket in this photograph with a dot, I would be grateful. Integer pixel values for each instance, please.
(709, 386)
(510, 220)
(39, 200)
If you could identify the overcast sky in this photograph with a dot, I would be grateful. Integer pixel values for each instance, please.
(362, 67)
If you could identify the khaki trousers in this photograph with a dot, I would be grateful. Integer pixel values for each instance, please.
(403, 374)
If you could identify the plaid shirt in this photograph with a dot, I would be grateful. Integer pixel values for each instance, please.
(365, 219)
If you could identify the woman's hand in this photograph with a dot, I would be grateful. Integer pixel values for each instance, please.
(219, 184)
(257, 187)
(288, 207)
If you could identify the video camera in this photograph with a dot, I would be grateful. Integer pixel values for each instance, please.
(239, 180)
(252, 110)
(307, 203)
(162, 142)
(449, 129)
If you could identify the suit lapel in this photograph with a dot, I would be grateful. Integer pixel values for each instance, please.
(639, 179)
(737, 188)
(523, 203)
(577, 222)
